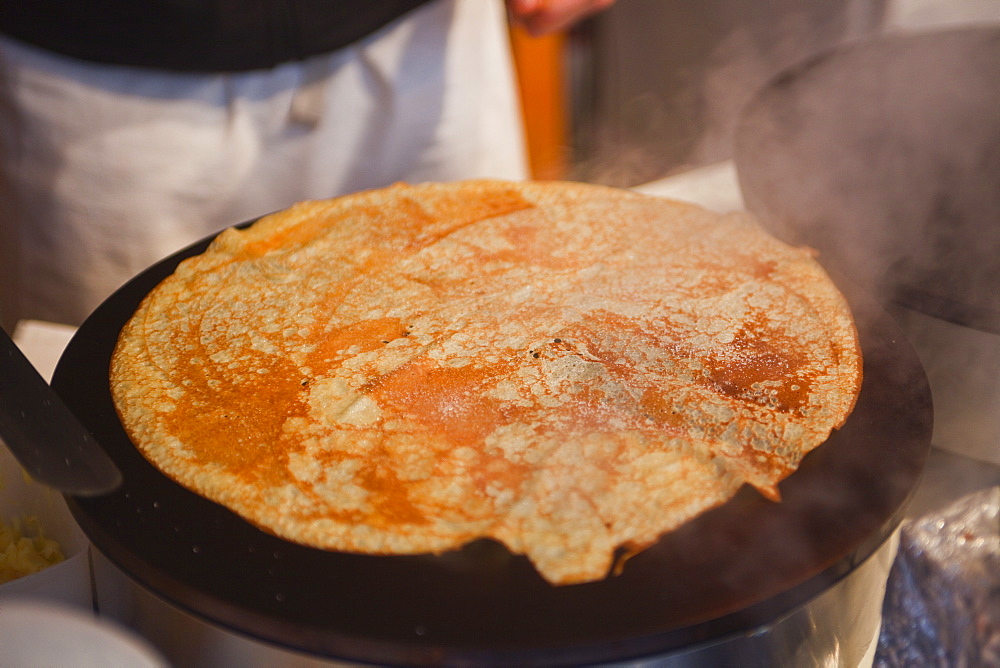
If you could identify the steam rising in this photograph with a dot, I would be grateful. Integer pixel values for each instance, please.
(660, 83)
(887, 158)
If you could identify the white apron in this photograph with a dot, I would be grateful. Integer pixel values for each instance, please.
(106, 169)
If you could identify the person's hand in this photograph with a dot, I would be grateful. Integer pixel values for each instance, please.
(539, 17)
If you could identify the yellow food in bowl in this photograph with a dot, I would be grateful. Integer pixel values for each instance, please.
(26, 550)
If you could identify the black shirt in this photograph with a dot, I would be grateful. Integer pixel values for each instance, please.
(196, 35)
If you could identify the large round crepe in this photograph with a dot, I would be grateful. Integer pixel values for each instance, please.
(568, 369)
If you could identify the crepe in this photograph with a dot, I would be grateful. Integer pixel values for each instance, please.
(569, 369)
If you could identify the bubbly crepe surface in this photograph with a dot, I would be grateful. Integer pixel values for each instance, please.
(568, 369)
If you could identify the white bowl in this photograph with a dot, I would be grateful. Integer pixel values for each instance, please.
(38, 633)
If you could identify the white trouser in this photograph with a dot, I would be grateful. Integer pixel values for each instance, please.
(104, 170)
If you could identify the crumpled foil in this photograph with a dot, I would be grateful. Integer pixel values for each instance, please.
(942, 602)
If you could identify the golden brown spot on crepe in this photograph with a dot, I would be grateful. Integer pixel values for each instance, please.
(449, 401)
(367, 335)
(657, 407)
(454, 404)
(393, 506)
(236, 421)
(753, 368)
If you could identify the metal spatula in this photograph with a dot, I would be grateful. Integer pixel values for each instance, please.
(44, 436)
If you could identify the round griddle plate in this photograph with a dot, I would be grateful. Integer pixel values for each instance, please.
(730, 570)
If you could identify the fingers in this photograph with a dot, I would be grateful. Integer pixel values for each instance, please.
(540, 17)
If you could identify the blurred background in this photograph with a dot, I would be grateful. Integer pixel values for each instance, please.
(650, 88)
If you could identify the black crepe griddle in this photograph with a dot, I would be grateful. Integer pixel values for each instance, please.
(729, 571)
